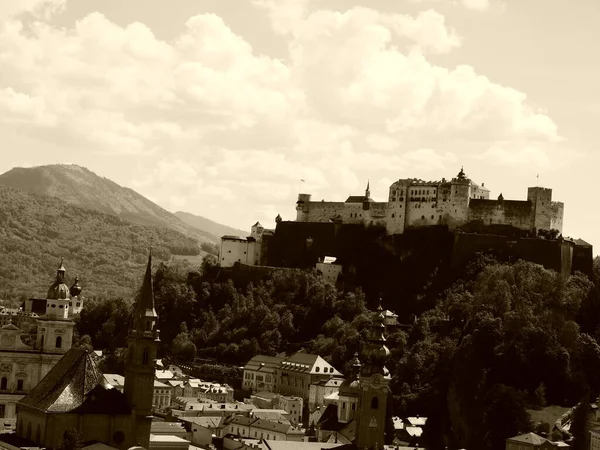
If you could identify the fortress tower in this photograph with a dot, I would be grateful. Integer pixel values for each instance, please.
(142, 343)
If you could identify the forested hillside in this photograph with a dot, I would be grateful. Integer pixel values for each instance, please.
(502, 338)
(82, 187)
(108, 253)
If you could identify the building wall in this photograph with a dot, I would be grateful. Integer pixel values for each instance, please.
(330, 271)
(519, 214)
(201, 436)
(414, 203)
(258, 381)
(347, 407)
(292, 405)
(233, 251)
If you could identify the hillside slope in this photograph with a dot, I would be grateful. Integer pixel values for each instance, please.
(82, 187)
(208, 225)
(107, 252)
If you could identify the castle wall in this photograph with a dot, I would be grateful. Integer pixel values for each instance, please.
(324, 211)
(556, 219)
(517, 213)
(554, 255)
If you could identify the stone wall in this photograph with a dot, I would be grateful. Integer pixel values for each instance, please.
(517, 213)
(324, 211)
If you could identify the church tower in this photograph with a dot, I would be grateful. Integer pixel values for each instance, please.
(55, 327)
(368, 190)
(142, 348)
(374, 388)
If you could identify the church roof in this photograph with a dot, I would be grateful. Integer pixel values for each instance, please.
(74, 381)
(358, 199)
(145, 305)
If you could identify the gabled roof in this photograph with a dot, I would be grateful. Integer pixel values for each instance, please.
(308, 363)
(358, 199)
(263, 363)
(75, 382)
(528, 438)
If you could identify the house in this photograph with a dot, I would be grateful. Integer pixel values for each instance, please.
(318, 391)
(529, 441)
(297, 373)
(259, 373)
(166, 442)
(161, 398)
(203, 429)
(251, 427)
(170, 429)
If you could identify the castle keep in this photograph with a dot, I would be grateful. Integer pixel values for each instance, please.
(416, 203)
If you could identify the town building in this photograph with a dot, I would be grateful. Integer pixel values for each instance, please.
(416, 203)
(161, 397)
(297, 373)
(293, 406)
(532, 441)
(244, 249)
(259, 373)
(329, 269)
(260, 429)
(34, 338)
(319, 391)
(75, 394)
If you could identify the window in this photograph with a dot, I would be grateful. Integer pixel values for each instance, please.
(38, 434)
(353, 406)
(58, 342)
(19, 385)
(3, 383)
(374, 403)
(145, 356)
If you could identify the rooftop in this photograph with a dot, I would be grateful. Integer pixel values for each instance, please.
(528, 438)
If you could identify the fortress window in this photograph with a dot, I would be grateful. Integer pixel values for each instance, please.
(432, 217)
(422, 217)
(393, 215)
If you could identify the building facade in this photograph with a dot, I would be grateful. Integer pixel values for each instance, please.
(31, 343)
(416, 203)
(246, 250)
(75, 394)
(259, 373)
(297, 373)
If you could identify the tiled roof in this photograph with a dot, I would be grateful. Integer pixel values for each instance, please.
(166, 427)
(528, 438)
(206, 422)
(357, 199)
(158, 384)
(115, 379)
(75, 383)
(308, 363)
(263, 363)
(167, 439)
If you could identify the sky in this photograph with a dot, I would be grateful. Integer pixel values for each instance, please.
(220, 107)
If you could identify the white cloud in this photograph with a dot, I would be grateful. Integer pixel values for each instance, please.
(474, 5)
(212, 122)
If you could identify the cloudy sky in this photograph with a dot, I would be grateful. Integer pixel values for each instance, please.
(220, 107)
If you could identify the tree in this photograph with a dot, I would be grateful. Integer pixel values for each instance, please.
(71, 440)
(580, 423)
(183, 347)
(85, 342)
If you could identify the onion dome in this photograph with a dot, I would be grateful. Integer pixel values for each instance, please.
(75, 289)
(59, 290)
(376, 353)
(278, 218)
(351, 385)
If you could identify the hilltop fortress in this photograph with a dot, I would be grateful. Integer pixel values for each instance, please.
(416, 203)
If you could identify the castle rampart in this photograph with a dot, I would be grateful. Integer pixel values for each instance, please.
(452, 203)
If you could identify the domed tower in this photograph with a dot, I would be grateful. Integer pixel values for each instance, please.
(76, 304)
(374, 388)
(55, 328)
(349, 393)
(142, 349)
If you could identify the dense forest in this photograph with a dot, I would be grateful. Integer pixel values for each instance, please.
(501, 338)
(108, 253)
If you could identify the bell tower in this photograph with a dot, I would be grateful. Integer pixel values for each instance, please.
(142, 349)
(374, 388)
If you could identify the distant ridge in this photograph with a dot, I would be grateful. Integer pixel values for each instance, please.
(80, 186)
(208, 225)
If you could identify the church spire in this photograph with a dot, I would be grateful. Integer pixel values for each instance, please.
(145, 315)
(368, 190)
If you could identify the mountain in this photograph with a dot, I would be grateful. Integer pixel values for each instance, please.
(82, 187)
(107, 252)
(208, 225)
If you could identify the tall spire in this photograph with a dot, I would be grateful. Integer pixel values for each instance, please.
(376, 353)
(145, 306)
(368, 190)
